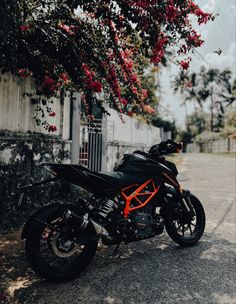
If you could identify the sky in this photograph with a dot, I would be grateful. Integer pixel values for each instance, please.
(217, 34)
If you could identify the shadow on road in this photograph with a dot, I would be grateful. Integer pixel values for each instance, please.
(152, 271)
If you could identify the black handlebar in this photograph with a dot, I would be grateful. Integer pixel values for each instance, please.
(163, 148)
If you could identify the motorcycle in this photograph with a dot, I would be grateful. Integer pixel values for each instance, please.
(135, 202)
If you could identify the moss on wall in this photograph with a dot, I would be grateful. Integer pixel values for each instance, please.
(20, 157)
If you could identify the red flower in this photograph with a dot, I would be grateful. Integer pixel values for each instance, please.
(194, 39)
(96, 86)
(142, 4)
(124, 101)
(87, 71)
(189, 84)
(50, 83)
(70, 30)
(24, 28)
(134, 78)
(158, 51)
(202, 16)
(52, 114)
(52, 128)
(24, 73)
(171, 12)
(130, 113)
(64, 76)
(185, 64)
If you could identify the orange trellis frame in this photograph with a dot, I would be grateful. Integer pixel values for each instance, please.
(138, 192)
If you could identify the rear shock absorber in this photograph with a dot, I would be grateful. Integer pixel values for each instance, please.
(106, 207)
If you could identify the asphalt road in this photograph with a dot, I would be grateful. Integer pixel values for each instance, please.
(157, 270)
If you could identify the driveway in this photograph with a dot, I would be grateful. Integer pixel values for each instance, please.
(157, 270)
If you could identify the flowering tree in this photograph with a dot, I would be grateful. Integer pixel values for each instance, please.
(95, 46)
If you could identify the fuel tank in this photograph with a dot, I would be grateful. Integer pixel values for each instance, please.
(139, 165)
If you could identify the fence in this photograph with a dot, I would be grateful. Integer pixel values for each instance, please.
(91, 145)
(104, 142)
(216, 146)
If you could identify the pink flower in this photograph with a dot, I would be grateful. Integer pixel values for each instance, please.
(128, 65)
(144, 93)
(70, 30)
(134, 90)
(148, 109)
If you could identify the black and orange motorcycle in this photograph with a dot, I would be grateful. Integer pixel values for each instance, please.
(135, 202)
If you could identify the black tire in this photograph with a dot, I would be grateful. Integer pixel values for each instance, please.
(187, 234)
(42, 267)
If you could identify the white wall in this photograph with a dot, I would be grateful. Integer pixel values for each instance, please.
(132, 131)
(17, 111)
(215, 146)
(128, 136)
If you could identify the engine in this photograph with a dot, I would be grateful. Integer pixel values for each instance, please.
(141, 225)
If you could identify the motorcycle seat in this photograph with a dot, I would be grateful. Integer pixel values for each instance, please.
(117, 179)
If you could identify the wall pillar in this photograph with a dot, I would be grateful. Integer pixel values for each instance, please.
(76, 108)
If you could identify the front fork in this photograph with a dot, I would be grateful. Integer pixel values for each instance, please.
(179, 201)
(185, 202)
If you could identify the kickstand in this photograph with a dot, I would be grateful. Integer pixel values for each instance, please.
(115, 252)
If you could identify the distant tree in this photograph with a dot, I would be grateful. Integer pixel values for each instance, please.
(197, 122)
(167, 125)
(185, 137)
(208, 88)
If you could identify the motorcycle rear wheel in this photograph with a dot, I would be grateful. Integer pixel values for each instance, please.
(187, 232)
(42, 257)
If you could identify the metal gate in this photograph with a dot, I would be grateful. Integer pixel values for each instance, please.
(91, 145)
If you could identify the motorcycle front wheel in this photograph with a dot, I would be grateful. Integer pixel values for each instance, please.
(53, 254)
(186, 229)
